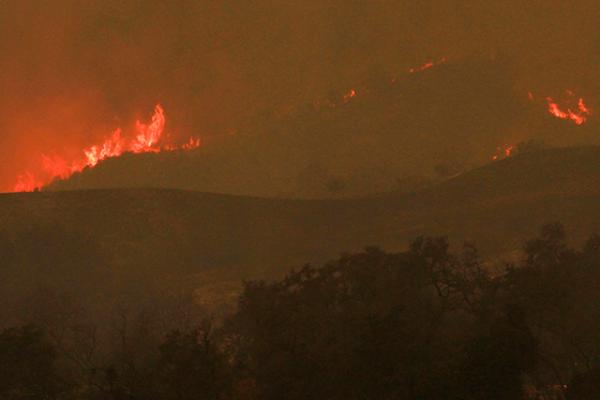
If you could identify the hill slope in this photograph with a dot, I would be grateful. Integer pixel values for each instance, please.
(496, 206)
(393, 128)
(102, 249)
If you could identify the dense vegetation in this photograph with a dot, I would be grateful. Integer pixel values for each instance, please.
(421, 324)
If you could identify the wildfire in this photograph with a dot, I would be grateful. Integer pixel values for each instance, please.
(504, 152)
(27, 182)
(112, 147)
(427, 65)
(148, 135)
(353, 93)
(146, 140)
(191, 144)
(579, 116)
(349, 95)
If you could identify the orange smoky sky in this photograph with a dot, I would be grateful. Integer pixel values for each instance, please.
(73, 71)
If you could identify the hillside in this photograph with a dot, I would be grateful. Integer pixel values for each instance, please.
(496, 206)
(393, 130)
(128, 246)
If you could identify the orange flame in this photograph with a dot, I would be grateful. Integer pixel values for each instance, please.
(582, 107)
(112, 147)
(503, 152)
(148, 135)
(579, 116)
(146, 141)
(349, 95)
(193, 143)
(27, 182)
(428, 65)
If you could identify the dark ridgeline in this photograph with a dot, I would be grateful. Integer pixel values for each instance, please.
(426, 323)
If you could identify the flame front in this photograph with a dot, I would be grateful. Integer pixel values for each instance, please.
(27, 182)
(147, 139)
(503, 152)
(579, 116)
(112, 147)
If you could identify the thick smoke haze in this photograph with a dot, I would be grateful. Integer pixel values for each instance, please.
(71, 71)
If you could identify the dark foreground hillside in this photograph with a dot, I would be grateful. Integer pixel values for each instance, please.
(106, 274)
(144, 242)
(495, 206)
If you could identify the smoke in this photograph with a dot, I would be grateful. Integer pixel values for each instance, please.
(71, 71)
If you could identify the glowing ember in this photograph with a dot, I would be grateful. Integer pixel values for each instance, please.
(147, 139)
(427, 65)
(193, 143)
(503, 152)
(582, 107)
(579, 116)
(350, 95)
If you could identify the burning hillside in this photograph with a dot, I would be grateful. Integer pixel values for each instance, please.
(570, 108)
(148, 138)
(364, 139)
(428, 65)
(369, 137)
(576, 110)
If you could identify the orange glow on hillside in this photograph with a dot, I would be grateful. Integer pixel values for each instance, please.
(504, 152)
(147, 140)
(149, 135)
(112, 147)
(27, 182)
(578, 114)
(349, 95)
(428, 65)
(582, 107)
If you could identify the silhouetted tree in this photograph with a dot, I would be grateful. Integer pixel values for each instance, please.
(584, 386)
(191, 366)
(497, 358)
(28, 366)
(425, 323)
(371, 325)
